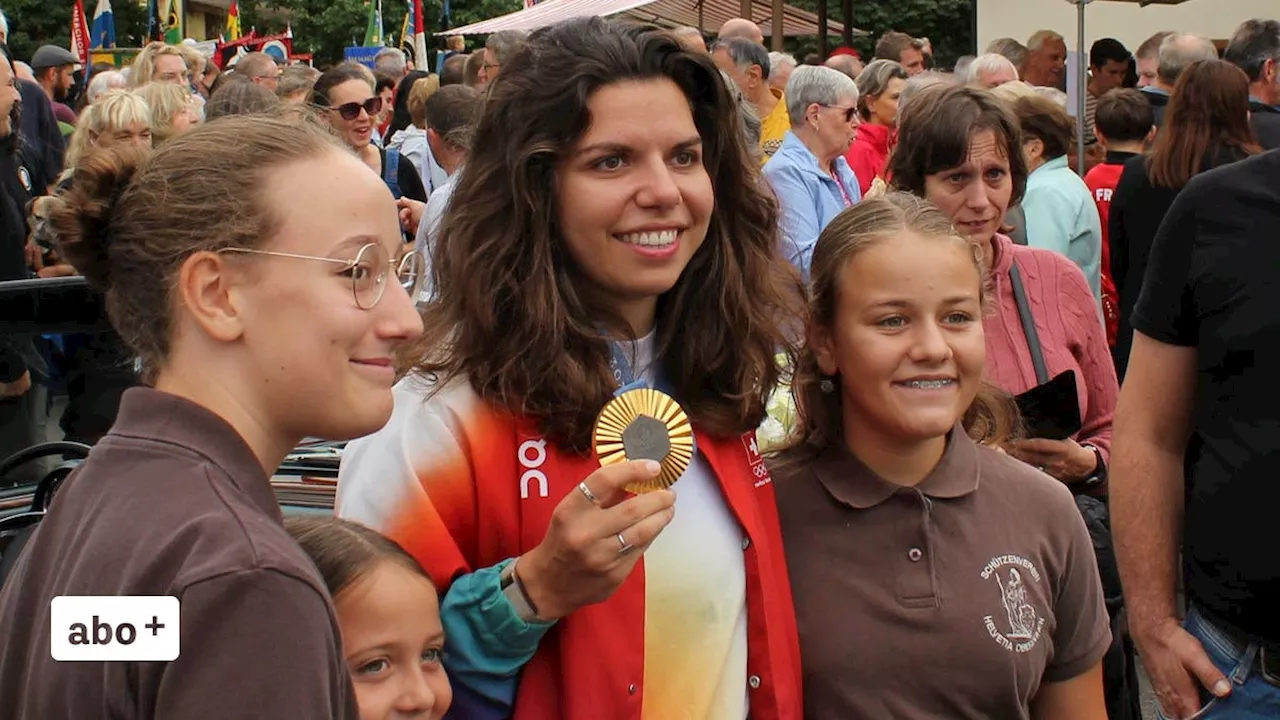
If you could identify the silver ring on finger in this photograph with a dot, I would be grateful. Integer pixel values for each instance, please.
(624, 546)
(586, 491)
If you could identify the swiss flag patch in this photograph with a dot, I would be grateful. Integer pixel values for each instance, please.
(759, 472)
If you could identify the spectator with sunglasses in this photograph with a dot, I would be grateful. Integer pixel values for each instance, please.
(344, 97)
(809, 174)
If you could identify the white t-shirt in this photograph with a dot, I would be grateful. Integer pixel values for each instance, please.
(695, 638)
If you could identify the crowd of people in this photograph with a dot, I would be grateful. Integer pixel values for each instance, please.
(976, 421)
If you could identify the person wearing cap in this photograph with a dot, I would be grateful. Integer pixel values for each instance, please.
(54, 68)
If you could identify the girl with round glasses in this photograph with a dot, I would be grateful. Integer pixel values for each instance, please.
(278, 322)
(344, 96)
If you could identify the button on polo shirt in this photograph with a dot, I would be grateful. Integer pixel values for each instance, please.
(956, 598)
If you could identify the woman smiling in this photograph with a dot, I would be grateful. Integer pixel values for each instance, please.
(608, 235)
(935, 577)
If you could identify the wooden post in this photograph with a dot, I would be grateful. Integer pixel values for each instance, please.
(847, 36)
(744, 9)
(822, 29)
(777, 25)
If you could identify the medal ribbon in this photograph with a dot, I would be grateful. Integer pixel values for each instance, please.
(626, 378)
(622, 373)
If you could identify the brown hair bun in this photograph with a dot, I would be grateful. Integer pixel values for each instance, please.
(81, 215)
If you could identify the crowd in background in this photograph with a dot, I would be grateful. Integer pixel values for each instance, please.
(965, 402)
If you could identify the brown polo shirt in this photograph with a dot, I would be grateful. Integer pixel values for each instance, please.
(954, 599)
(173, 502)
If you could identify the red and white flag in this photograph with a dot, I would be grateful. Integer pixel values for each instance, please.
(80, 34)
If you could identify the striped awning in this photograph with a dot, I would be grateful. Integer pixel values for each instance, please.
(708, 15)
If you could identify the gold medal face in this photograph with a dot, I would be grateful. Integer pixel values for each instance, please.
(645, 424)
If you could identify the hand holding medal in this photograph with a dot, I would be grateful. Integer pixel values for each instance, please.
(645, 442)
(645, 424)
(581, 559)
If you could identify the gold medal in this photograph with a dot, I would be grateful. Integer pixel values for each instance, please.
(645, 424)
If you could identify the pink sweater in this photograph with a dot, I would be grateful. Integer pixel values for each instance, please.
(1071, 333)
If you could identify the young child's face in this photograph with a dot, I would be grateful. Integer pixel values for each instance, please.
(393, 639)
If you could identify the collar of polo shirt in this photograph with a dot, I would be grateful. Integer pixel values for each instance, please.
(851, 482)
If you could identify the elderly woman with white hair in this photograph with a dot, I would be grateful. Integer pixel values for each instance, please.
(781, 65)
(809, 174)
(991, 70)
(102, 82)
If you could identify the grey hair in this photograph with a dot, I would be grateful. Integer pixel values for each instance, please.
(819, 84)
(1253, 44)
(504, 43)
(686, 31)
(780, 60)
(391, 61)
(751, 124)
(918, 83)
(4, 25)
(1037, 41)
(989, 63)
(874, 80)
(1015, 51)
(1178, 51)
(745, 53)
(1053, 94)
(104, 81)
(963, 62)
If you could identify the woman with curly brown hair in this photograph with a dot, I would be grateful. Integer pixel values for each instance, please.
(611, 231)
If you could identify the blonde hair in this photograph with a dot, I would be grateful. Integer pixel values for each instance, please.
(1011, 92)
(165, 101)
(992, 417)
(195, 60)
(144, 66)
(422, 91)
(113, 110)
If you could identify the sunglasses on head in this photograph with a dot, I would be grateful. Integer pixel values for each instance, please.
(351, 110)
(848, 111)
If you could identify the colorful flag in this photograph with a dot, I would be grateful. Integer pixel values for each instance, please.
(172, 17)
(406, 33)
(373, 36)
(80, 33)
(233, 23)
(419, 35)
(155, 29)
(104, 26)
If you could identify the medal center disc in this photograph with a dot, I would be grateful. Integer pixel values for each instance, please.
(646, 438)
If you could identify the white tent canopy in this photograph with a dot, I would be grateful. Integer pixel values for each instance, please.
(706, 15)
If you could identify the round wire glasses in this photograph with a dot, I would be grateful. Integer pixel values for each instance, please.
(369, 270)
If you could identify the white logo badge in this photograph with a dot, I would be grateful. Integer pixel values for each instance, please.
(532, 454)
(1018, 627)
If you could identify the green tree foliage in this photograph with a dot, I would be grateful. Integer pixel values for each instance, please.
(326, 27)
(33, 23)
(947, 24)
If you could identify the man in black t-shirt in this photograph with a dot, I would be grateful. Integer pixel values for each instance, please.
(1196, 449)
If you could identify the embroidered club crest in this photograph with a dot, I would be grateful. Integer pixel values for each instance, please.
(1017, 626)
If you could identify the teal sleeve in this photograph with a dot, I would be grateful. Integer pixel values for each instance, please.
(486, 643)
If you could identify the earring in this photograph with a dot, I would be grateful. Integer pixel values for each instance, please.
(827, 386)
